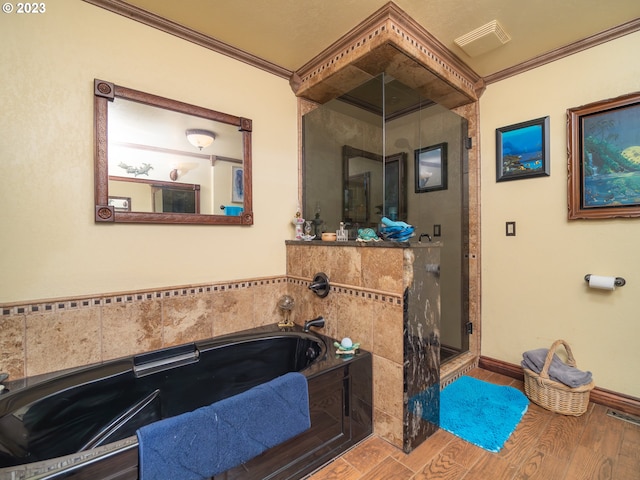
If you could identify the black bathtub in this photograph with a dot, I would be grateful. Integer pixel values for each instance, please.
(81, 424)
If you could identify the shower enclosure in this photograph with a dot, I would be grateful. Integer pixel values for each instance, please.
(380, 150)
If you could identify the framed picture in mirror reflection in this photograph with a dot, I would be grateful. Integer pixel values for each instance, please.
(237, 189)
(120, 204)
(431, 168)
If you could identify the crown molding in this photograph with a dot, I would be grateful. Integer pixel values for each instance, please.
(147, 18)
(605, 36)
(389, 41)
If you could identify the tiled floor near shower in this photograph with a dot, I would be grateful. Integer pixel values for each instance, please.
(545, 446)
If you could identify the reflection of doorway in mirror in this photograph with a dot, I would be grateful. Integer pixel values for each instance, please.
(395, 186)
(237, 189)
(357, 201)
(175, 200)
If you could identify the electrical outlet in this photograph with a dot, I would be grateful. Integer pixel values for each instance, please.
(436, 231)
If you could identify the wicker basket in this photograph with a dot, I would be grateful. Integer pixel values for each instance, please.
(556, 396)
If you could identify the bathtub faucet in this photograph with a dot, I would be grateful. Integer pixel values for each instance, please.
(320, 285)
(316, 322)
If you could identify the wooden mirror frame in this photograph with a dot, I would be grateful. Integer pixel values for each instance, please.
(105, 92)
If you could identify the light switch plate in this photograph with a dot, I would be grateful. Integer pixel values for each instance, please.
(511, 229)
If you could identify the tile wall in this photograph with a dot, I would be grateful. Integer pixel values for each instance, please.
(365, 304)
(48, 336)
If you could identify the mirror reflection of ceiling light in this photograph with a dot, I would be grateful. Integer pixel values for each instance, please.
(200, 138)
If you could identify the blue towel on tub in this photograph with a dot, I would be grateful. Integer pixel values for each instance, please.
(203, 443)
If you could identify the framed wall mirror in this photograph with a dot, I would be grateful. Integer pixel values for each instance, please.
(159, 160)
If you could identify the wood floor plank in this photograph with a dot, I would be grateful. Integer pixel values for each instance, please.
(492, 467)
(561, 434)
(604, 435)
(389, 469)
(589, 463)
(426, 451)
(541, 466)
(337, 470)
(441, 467)
(463, 453)
(526, 436)
(628, 461)
(369, 453)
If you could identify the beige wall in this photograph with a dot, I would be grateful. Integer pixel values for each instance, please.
(533, 287)
(51, 246)
(533, 290)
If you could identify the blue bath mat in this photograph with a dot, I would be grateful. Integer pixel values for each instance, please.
(480, 412)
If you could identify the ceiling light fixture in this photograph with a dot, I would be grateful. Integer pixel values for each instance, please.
(200, 138)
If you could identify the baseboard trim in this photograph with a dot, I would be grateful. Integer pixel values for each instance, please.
(617, 401)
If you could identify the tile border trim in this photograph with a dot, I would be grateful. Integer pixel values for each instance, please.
(76, 303)
(367, 294)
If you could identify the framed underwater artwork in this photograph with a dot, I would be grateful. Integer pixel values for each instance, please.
(522, 150)
(604, 158)
(431, 168)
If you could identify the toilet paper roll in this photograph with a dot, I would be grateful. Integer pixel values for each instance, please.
(601, 282)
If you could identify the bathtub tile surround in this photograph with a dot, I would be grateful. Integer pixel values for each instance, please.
(60, 340)
(354, 312)
(135, 327)
(51, 335)
(378, 297)
(187, 318)
(367, 303)
(12, 358)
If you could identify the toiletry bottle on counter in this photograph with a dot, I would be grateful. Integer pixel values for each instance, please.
(342, 235)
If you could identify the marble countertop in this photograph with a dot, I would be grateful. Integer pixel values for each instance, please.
(353, 243)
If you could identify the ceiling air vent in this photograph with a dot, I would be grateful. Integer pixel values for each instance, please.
(483, 39)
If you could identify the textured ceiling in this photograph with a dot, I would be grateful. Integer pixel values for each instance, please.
(289, 33)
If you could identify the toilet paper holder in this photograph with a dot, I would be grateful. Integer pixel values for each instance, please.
(619, 281)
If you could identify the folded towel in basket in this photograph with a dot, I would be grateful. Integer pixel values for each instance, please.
(203, 443)
(558, 370)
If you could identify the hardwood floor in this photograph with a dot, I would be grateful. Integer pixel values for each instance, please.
(545, 446)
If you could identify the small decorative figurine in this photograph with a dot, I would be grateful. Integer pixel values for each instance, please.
(298, 221)
(317, 221)
(286, 304)
(346, 347)
(307, 237)
(367, 235)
